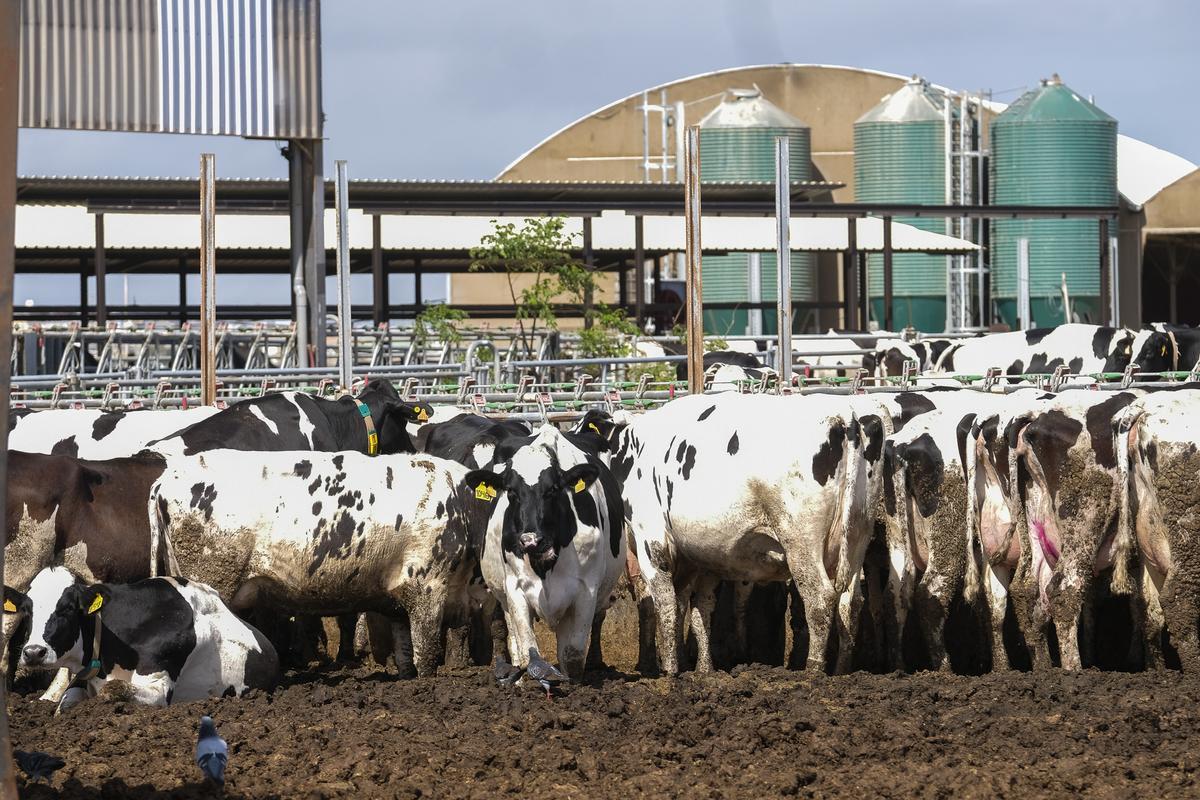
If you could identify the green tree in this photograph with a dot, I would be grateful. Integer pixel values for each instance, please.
(439, 322)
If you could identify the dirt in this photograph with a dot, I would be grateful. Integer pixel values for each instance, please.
(758, 731)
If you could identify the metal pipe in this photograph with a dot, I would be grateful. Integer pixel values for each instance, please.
(694, 280)
(299, 292)
(888, 314)
(1023, 303)
(783, 256)
(639, 272)
(101, 275)
(680, 127)
(341, 201)
(1105, 288)
(754, 292)
(208, 280)
(850, 278)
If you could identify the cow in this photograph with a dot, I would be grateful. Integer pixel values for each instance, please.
(733, 358)
(555, 542)
(170, 639)
(326, 534)
(469, 439)
(1162, 347)
(711, 495)
(1082, 349)
(890, 355)
(1158, 441)
(98, 435)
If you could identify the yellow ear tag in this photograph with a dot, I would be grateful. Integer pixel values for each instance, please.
(485, 492)
(95, 606)
(1163, 352)
(422, 415)
(592, 425)
(9, 607)
(580, 486)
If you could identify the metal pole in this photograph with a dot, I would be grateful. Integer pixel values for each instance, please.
(208, 280)
(589, 263)
(850, 277)
(10, 46)
(783, 256)
(639, 273)
(1023, 311)
(101, 275)
(1105, 288)
(341, 201)
(296, 198)
(887, 274)
(754, 293)
(694, 285)
(378, 278)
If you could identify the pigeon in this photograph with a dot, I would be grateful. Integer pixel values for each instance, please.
(212, 754)
(543, 672)
(38, 766)
(506, 674)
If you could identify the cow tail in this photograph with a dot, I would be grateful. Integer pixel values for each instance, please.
(971, 584)
(156, 526)
(1127, 426)
(851, 516)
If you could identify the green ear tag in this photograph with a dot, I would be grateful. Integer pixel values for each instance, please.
(95, 606)
(485, 493)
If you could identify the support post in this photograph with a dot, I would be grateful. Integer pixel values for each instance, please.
(589, 263)
(639, 273)
(863, 312)
(379, 313)
(313, 189)
(694, 286)
(10, 46)
(182, 289)
(208, 280)
(83, 298)
(623, 286)
(849, 261)
(345, 354)
(418, 293)
(783, 257)
(1105, 288)
(101, 275)
(298, 204)
(888, 312)
(1023, 303)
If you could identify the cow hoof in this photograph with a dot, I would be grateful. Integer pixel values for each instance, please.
(407, 673)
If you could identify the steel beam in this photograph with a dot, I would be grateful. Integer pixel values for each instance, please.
(208, 281)
(345, 321)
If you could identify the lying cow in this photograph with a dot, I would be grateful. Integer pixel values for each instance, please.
(99, 435)
(325, 534)
(555, 542)
(170, 639)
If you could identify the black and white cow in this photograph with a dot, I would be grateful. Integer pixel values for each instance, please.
(555, 543)
(469, 439)
(170, 639)
(99, 435)
(1082, 349)
(325, 534)
(890, 355)
(1161, 347)
(1159, 441)
(712, 494)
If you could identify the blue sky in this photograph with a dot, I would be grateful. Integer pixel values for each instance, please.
(459, 89)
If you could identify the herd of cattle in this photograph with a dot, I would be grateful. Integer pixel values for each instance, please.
(141, 543)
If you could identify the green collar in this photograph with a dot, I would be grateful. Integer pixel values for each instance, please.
(372, 436)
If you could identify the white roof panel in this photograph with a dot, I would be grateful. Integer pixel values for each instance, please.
(1144, 170)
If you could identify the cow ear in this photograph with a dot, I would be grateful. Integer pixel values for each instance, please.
(13, 600)
(412, 412)
(600, 424)
(484, 484)
(93, 598)
(579, 478)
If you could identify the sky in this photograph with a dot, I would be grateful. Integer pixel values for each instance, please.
(458, 90)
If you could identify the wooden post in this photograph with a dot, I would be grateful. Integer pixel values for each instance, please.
(208, 280)
(10, 46)
(888, 312)
(694, 285)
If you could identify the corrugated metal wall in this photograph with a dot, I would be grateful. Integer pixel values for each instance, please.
(232, 67)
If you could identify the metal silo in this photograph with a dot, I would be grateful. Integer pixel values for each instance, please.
(1051, 147)
(900, 157)
(737, 143)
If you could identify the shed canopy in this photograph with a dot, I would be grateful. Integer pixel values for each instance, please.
(66, 226)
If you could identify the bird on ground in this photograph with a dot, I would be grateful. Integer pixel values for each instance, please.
(506, 673)
(38, 766)
(212, 754)
(544, 672)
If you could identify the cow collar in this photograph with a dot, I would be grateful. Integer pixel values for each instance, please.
(91, 667)
(372, 435)
(1174, 351)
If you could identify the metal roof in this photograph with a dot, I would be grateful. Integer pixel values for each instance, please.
(59, 227)
(913, 102)
(747, 108)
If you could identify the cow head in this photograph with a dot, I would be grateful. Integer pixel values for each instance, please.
(62, 609)
(392, 415)
(1153, 351)
(17, 612)
(537, 499)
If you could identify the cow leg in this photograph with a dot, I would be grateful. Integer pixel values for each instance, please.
(1066, 611)
(669, 622)
(57, 688)
(741, 602)
(425, 630)
(154, 689)
(572, 634)
(899, 592)
(996, 581)
(849, 606)
(403, 647)
(347, 625)
(520, 630)
(797, 628)
(647, 663)
(1180, 609)
(704, 600)
(595, 655)
(1149, 617)
(932, 601)
(499, 629)
(381, 643)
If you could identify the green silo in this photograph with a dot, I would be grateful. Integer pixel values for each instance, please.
(1051, 147)
(737, 143)
(900, 157)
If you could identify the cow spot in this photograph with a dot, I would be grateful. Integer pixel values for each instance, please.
(911, 404)
(316, 508)
(441, 510)
(390, 477)
(65, 447)
(1101, 341)
(1035, 335)
(338, 461)
(706, 413)
(1099, 426)
(399, 521)
(873, 427)
(923, 473)
(1075, 365)
(733, 445)
(203, 495)
(302, 469)
(1016, 368)
(670, 447)
(314, 486)
(334, 541)
(689, 461)
(1050, 436)
(105, 424)
(829, 455)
